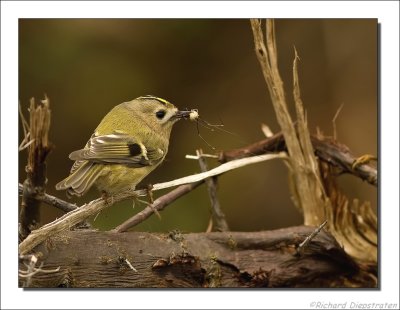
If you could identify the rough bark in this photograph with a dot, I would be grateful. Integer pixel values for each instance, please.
(220, 259)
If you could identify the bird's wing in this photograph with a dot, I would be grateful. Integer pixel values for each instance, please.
(118, 148)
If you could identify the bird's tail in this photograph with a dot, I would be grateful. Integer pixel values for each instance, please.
(81, 179)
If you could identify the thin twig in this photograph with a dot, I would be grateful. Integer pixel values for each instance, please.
(306, 241)
(196, 157)
(159, 204)
(25, 124)
(51, 200)
(25, 143)
(216, 171)
(209, 226)
(218, 215)
(32, 269)
(334, 121)
(130, 265)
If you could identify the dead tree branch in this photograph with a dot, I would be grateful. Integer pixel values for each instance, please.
(219, 259)
(326, 149)
(159, 204)
(354, 224)
(314, 191)
(218, 216)
(307, 241)
(309, 193)
(36, 140)
(51, 200)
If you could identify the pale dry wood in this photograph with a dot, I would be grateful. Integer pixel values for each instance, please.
(353, 224)
(36, 141)
(314, 212)
(219, 170)
(315, 193)
(305, 177)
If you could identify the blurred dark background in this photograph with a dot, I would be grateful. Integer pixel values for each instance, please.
(87, 66)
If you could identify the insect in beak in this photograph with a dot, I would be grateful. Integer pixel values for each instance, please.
(192, 115)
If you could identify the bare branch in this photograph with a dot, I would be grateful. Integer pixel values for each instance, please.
(306, 241)
(25, 124)
(159, 204)
(51, 200)
(218, 215)
(217, 171)
(334, 121)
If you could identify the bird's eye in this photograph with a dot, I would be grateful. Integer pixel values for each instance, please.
(160, 114)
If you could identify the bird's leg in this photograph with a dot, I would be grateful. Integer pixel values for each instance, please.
(149, 203)
(151, 199)
(150, 193)
(106, 196)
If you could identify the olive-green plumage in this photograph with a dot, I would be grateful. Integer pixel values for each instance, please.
(129, 143)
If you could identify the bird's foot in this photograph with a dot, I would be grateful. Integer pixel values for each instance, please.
(109, 200)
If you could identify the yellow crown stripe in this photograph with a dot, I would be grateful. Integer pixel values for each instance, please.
(163, 101)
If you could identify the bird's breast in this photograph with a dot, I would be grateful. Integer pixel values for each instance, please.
(117, 178)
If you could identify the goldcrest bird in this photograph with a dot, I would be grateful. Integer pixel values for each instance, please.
(129, 143)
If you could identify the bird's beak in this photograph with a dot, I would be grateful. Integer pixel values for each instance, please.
(182, 114)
